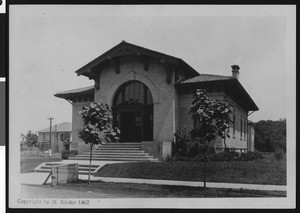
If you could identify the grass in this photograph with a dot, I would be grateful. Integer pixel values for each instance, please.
(29, 164)
(99, 189)
(265, 172)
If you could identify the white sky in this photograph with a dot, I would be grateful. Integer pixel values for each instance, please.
(47, 44)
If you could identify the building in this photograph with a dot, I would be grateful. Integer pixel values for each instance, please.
(57, 145)
(151, 94)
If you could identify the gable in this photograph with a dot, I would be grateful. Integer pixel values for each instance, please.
(218, 83)
(124, 49)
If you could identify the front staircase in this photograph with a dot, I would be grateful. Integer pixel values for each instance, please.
(117, 152)
(83, 169)
(109, 153)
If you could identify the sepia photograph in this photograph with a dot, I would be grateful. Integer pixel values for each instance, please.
(152, 106)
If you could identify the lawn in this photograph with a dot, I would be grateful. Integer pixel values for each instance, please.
(99, 189)
(265, 172)
(29, 164)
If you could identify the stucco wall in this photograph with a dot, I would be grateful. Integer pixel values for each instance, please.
(186, 121)
(238, 140)
(77, 124)
(156, 149)
(131, 68)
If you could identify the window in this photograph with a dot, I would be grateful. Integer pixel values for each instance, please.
(245, 128)
(233, 127)
(44, 136)
(241, 127)
(133, 93)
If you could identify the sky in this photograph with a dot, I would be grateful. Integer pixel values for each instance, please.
(47, 44)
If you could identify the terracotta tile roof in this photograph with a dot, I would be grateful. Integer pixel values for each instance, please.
(88, 89)
(62, 127)
(78, 90)
(205, 78)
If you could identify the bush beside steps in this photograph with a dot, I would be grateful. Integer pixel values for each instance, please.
(65, 154)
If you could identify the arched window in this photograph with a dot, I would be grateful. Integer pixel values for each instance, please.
(133, 92)
(133, 112)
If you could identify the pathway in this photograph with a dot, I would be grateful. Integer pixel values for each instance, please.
(39, 178)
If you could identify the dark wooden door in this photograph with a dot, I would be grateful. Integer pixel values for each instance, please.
(131, 126)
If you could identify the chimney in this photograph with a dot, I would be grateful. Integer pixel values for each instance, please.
(235, 71)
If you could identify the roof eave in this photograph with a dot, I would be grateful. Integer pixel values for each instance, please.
(85, 70)
(252, 105)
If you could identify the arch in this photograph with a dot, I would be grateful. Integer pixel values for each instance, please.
(132, 107)
(132, 92)
(129, 77)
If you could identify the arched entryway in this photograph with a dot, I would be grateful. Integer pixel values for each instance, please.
(133, 112)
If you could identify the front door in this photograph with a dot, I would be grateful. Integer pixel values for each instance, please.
(133, 112)
(131, 126)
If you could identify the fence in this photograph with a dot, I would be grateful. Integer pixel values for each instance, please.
(34, 152)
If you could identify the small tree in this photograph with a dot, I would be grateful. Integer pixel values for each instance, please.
(97, 127)
(214, 119)
(31, 139)
(65, 137)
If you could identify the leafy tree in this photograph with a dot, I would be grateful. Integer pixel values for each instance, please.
(270, 136)
(214, 119)
(65, 137)
(31, 139)
(97, 126)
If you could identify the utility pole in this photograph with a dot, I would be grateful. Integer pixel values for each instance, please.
(50, 134)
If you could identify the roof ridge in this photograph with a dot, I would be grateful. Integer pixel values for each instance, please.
(205, 77)
(216, 75)
(145, 48)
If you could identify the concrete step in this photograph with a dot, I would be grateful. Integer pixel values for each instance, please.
(80, 172)
(121, 144)
(111, 159)
(80, 165)
(118, 148)
(115, 156)
(80, 168)
(117, 151)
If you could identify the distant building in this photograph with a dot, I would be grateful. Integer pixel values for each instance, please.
(57, 145)
(151, 94)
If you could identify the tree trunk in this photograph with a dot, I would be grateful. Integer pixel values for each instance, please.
(90, 162)
(225, 140)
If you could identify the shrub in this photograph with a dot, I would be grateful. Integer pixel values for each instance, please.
(182, 139)
(194, 148)
(65, 154)
(251, 156)
(228, 155)
(185, 146)
(279, 155)
(169, 158)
